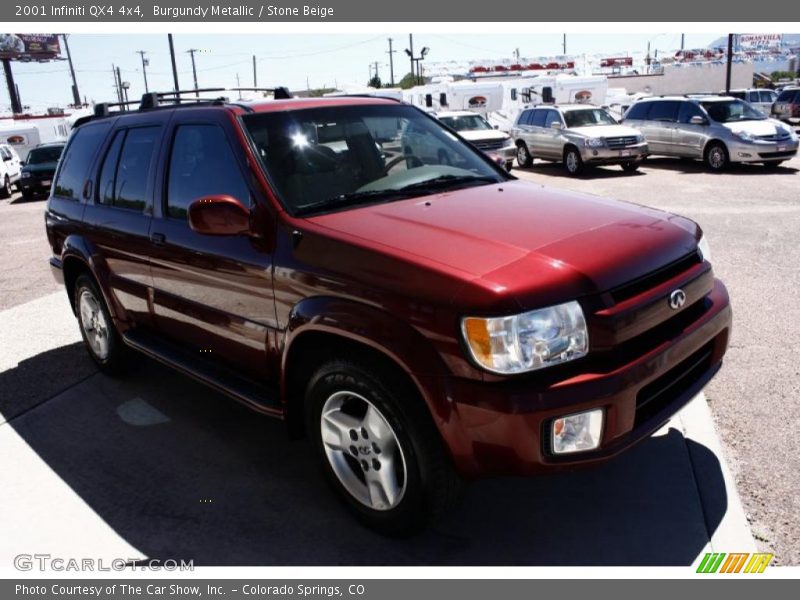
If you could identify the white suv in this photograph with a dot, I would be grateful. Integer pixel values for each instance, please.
(10, 169)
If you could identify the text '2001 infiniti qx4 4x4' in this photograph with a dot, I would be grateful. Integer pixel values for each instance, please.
(422, 318)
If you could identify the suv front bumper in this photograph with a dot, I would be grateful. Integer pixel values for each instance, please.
(503, 427)
(605, 155)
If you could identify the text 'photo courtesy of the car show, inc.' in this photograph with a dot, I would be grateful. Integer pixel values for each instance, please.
(304, 300)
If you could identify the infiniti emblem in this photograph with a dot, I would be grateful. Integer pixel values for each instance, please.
(677, 299)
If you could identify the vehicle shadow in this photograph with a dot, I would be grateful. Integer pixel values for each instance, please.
(556, 169)
(179, 471)
(688, 166)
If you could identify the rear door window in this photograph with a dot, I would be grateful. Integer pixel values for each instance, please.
(666, 110)
(539, 116)
(77, 159)
(125, 173)
(689, 110)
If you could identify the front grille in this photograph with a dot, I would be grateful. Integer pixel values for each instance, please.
(787, 154)
(489, 144)
(774, 138)
(655, 278)
(662, 391)
(616, 143)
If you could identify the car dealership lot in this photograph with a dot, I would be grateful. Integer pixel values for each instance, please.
(163, 467)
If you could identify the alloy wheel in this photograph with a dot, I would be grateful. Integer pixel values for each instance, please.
(94, 324)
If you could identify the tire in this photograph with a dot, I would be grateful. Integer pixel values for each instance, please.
(524, 158)
(509, 165)
(631, 167)
(5, 191)
(573, 162)
(28, 195)
(102, 341)
(771, 166)
(716, 157)
(360, 418)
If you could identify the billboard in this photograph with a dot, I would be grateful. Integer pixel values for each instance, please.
(26, 46)
(757, 41)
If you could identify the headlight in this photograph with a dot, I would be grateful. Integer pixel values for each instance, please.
(529, 341)
(744, 136)
(594, 142)
(25, 175)
(705, 249)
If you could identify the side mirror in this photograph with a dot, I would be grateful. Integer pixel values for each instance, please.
(219, 215)
(6, 158)
(698, 120)
(556, 125)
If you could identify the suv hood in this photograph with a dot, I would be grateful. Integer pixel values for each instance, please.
(520, 242)
(760, 127)
(597, 131)
(40, 167)
(483, 134)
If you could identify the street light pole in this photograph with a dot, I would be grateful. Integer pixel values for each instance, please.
(410, 53)
(730, 64)
(174, 66)
(391, 62)
(144, 69)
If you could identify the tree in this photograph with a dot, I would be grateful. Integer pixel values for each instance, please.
(375, 82)
(408, 81)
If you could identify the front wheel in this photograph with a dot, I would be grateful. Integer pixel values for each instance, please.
(631, 167)
(524, 158)
(573, 162)
(773, 165)
(379, 448)
(6, 191)
(716, 157)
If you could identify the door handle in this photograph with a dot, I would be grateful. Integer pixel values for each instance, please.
(158, 238)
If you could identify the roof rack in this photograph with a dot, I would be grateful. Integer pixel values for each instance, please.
(175, 98)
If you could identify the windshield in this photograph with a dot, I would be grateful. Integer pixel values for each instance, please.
(335, 157)
(587, 117)
(728, 111)
(466, 123)
(45, 155)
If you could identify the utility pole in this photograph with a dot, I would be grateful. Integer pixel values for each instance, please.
(174, 67)
(76, 97)
(376, 69)
(144, 68)
(116, 82)
(16, 105)
(255, 75)
(123, 93)
(730, 63)
(391, 62)
(683, 40)
(564, 44)
(191, 52)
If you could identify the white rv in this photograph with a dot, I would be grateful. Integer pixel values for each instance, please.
(25, 134)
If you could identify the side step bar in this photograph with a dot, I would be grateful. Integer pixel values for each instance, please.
(258, 397)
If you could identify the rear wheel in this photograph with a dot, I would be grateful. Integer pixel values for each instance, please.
(5, 191)
(524, 158)
(379, 448)
(97, 329)
(716, 156)
(573, 162)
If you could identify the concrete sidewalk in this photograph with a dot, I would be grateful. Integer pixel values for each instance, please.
(159, 466)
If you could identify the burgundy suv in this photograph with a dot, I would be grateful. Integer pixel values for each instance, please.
(424, 319)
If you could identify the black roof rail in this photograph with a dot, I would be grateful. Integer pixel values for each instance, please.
(398, 100)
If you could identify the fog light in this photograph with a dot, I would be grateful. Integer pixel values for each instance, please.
(578, 432)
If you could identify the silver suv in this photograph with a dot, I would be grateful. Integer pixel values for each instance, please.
(578, 135)
(717, 129)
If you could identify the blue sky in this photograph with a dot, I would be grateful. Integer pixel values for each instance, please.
(288, 60)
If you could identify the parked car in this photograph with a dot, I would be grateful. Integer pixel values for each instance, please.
(760, 98)
(475, 129)
(37, 173)
(717, 129)
(787, 106)
(577, 135)
(10, 170)
(422, 323)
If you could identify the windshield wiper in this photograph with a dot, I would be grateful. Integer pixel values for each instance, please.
(351, 199)
(448, 180)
